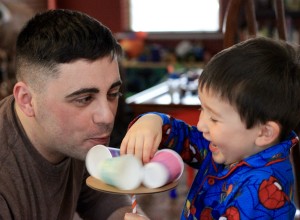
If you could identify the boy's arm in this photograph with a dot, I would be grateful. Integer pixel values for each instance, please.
(157, 130)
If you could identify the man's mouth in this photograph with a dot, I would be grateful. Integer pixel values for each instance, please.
(99, 140)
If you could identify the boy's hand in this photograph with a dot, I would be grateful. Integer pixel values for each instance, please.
(143, 137)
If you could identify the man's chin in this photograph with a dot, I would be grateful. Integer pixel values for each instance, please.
(79, 155)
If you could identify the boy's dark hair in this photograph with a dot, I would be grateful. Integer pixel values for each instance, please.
(63, 36)
(260, 77)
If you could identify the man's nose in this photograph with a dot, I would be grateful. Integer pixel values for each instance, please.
(104, 113)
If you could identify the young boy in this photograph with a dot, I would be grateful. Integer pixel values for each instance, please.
(250, 105)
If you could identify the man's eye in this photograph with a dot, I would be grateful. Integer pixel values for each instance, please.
(84, 100)
(114, 95)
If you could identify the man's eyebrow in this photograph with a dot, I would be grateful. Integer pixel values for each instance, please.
(116, 84)
(92, 90)
(83, 91)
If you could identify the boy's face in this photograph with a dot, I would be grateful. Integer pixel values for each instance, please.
(222, 126)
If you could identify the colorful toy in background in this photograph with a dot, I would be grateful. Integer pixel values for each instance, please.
(133, 46)
(182, 83)
(139, 46)
(128, 173)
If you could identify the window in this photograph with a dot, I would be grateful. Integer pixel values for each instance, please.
(174, 15)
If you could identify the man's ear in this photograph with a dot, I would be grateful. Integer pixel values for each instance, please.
(23, 97)
(269, 134)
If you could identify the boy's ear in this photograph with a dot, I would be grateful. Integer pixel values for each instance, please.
(23, 98)
(269, 134)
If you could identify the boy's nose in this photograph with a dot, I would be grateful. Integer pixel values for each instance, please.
(201, 125)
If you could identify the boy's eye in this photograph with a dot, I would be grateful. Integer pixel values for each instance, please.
(213, 120)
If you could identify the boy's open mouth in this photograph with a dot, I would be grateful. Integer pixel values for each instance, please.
(213, 148)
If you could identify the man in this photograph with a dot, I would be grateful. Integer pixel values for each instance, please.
(64, 102)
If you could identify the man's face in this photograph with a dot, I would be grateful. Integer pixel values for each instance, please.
(77, 110)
